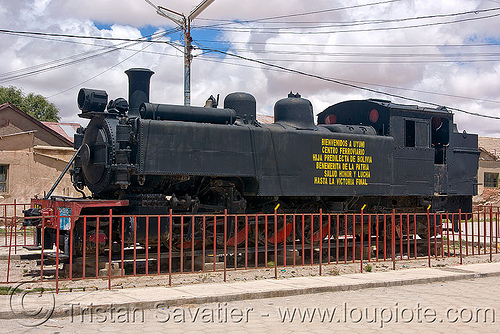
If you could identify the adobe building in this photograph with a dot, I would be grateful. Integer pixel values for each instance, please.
(489, 171)
(32, 156)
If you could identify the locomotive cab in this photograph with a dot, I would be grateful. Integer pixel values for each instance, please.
(430, 156)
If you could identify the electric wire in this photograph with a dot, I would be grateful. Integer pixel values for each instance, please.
(289, 25)
(71, 60)
(306, 13)
(264, 62)
(226, 62)
(258, 30)
(102, 72)
(347, 84)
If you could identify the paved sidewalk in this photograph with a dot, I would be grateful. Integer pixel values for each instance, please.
(151, 297)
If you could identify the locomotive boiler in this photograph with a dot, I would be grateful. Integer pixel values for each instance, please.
(142, 158)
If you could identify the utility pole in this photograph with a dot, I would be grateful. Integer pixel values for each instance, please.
(184, 22)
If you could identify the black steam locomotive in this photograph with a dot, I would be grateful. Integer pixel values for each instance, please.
(142, 158)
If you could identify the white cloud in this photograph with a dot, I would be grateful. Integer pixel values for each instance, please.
(219, 75)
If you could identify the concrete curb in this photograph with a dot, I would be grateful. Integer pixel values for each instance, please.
(147, 298)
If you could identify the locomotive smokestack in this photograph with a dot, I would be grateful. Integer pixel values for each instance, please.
(138, 88)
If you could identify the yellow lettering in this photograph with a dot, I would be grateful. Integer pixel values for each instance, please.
(344, 182)
(317, 157)
(343, 162)
(330, 173)
(320, 180)
(361, 182)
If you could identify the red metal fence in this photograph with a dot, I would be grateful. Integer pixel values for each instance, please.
(11, 215)
(111, 246)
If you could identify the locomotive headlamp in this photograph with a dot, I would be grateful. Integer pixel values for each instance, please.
(90, 100)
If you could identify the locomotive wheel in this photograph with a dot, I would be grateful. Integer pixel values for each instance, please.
(422, 227)
(284, 232)
(93, 241)
(238, 237)
(235, 233)
(319, 231)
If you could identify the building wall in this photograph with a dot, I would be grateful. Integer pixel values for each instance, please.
(487, 195)
(33, 169)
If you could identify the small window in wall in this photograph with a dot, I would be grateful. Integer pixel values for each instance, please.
(4, 169)
(409, 133)
(491, 180)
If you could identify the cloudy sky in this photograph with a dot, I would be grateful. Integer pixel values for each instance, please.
(442, 52)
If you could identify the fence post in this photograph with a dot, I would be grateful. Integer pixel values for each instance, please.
(491, 233)
(312, 239)
(84, 250)
(484, 231)
(97, 240)
(42, 238)
(467, 234)
(10, 247)
(361, 241)
(192, 242)
(204, 242)
(225, 244)
(393, 239)
(57, 249)
(496, 231)
(72, 222)
(15, 229)
(5, 221)
(158, 254)
(266, 239)
(147, 244)
(246, 241)
(123, 247)
(275, 242)
(181, 256)
(170, 248)
(110, 244)
(320, 239)
(460, 232)
(428, 236)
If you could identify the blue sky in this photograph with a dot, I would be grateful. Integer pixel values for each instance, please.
(207, 37)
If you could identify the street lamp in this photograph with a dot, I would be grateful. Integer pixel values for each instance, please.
(185, 23)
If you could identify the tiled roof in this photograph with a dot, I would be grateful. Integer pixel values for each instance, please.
(266, 119)
(67, 130)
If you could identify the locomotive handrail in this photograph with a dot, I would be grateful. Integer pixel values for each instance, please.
(47, 196)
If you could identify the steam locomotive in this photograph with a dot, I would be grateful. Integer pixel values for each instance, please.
(142, 158)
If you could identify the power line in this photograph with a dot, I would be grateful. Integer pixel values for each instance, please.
(307, 13)
(355, 45)
(373, 57)
(365, 22)
(102, 72)
(226, 62)
(308, 32)
(41, 68)
(315, 61)
(34, 33)
(339, 82)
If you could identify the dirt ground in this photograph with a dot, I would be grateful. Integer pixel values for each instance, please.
(29, 270)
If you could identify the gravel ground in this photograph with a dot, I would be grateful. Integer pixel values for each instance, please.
(29, 270)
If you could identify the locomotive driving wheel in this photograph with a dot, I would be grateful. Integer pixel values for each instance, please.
(311, 228)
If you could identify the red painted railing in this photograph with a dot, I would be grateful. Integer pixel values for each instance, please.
(142, 245)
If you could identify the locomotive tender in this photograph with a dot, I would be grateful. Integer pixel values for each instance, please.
(142, 158)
